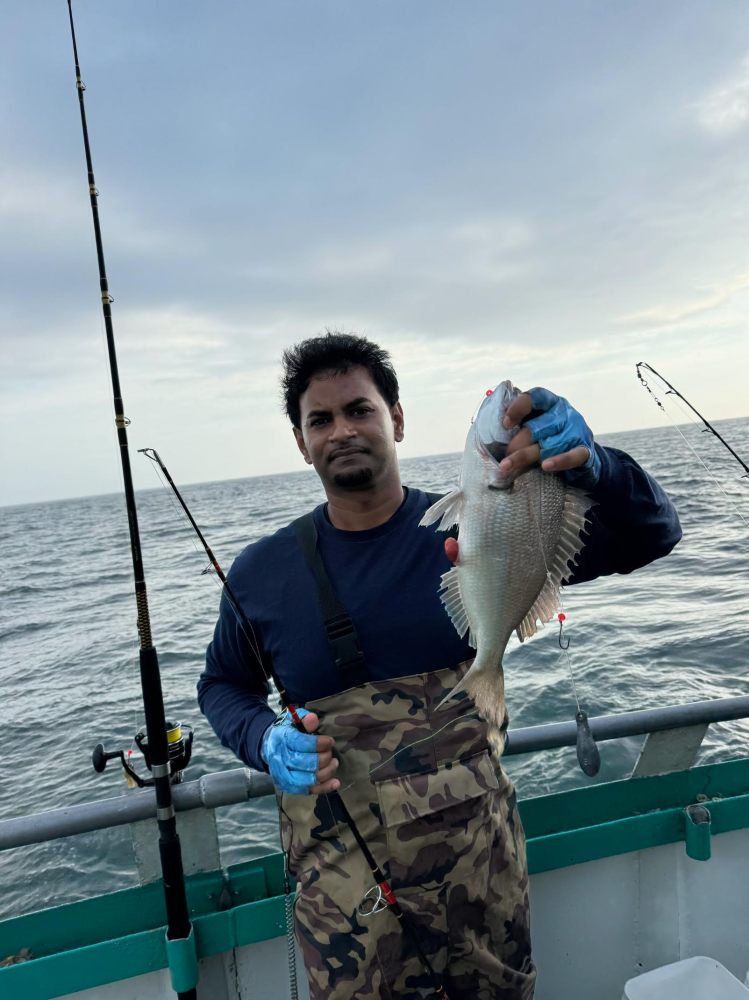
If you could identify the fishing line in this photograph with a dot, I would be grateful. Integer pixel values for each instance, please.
(134, 645)
(704, 465)
(677, 395)
(697, 455)
(176, 509)
(209, 570)
(410, 746)
(271, 679)
(566, 653)
(217, 575)
(561, 615)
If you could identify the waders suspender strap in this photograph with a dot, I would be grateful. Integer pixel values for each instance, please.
(342, 637)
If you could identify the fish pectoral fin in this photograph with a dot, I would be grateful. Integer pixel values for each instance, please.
(452, 599)
(447, 511)
(576, 505)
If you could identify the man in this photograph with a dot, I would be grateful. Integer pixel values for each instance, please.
(420, 786)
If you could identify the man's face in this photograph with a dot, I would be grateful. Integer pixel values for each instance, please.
(348, 431)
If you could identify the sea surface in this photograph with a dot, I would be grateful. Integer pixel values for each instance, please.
(674, 632)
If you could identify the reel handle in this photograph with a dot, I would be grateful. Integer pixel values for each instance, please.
(100, 757)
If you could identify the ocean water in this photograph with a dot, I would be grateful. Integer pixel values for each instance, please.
(674, 632)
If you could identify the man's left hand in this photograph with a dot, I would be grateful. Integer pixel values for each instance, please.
(557, 436)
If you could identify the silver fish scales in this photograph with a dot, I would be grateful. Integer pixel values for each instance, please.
(519, 538)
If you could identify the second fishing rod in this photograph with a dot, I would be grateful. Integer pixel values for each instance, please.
(340, 638)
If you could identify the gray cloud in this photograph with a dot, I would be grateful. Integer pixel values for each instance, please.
(725, 109)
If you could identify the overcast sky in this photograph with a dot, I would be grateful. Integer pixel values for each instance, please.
(541, 191)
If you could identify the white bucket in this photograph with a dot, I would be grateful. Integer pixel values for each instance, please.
(696, 978)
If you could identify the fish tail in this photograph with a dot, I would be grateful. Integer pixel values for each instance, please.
(487, 688)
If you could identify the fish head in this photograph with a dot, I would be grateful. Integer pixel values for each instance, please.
(488, 437)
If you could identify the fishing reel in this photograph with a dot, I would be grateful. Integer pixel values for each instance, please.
(179, 742)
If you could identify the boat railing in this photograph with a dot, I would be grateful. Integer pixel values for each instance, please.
(674, 733)
(551, 735)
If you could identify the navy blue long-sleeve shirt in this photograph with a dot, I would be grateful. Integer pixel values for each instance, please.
(388, 580)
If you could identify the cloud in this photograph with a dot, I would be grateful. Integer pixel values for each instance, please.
(478, 252)
(457, 357)
(677, 313)
(175, 330)
(42, 209)
(37, 203)
(489, 249)
(336, 263)
(725, 110)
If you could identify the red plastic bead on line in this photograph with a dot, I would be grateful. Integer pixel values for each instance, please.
(490, 392)
(562, 617)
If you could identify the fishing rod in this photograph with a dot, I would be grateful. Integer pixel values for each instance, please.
(672, 390)
(179, 929)
(385, 896)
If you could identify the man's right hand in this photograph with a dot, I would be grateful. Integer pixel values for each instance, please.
(299, 763)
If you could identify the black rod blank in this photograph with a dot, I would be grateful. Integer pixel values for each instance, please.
(178, 917)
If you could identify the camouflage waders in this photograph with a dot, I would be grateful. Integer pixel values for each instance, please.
(441, 819)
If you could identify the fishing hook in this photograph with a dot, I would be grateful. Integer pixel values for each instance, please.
(564, 642)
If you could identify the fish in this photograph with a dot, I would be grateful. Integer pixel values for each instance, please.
(519, 539)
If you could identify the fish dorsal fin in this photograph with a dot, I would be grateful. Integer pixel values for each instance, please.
(453, 601)
(576, 506)
(447, 511)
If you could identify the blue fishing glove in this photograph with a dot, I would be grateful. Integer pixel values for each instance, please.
(561, 428)
(291, 756)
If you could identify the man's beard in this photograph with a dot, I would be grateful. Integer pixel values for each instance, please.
(359, 479)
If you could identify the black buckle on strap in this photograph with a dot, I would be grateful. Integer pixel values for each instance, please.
(344, 640)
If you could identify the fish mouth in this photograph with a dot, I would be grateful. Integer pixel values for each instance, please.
(497, 449)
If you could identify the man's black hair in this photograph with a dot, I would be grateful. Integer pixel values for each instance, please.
(338, 353)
